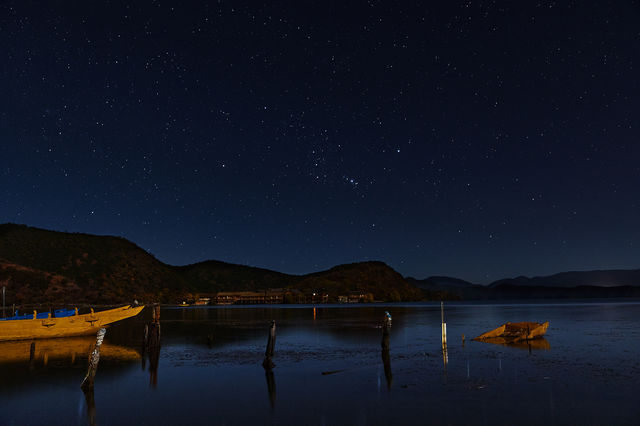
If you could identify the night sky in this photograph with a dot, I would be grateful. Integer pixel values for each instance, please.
(480, 140)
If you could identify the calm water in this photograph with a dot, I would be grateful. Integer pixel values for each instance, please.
(330, 369)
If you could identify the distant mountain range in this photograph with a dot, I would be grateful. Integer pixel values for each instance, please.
(47, 267)
(607, 278)
(578, 284)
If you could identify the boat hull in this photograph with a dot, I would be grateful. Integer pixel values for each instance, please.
(515, 332)
(76, 325)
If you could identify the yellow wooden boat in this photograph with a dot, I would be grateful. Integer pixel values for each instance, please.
(512, 332)
(74, 325)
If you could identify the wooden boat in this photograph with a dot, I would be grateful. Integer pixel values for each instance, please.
(64, 326)
(512, 332)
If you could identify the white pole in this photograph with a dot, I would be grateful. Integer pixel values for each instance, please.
(444, 334)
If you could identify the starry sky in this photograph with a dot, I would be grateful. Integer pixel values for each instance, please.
(476, 139)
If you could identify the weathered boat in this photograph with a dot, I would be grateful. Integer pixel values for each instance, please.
(63, 323)
(512, 332)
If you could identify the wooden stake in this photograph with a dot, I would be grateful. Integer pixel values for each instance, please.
(271, 343)
(445, 352)
(87, 383)
(385, 335)
(152, 345)
(386, 359)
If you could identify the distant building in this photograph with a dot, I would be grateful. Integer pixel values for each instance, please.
(355, 297)
(249, 297)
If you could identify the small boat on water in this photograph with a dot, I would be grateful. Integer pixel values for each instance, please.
(62, 323)
(512, 332)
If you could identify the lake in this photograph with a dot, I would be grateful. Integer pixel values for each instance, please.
(331, 370)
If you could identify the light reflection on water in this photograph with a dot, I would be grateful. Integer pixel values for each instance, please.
(332, 368)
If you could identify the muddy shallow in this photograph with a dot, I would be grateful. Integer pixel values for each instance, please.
(331, 370)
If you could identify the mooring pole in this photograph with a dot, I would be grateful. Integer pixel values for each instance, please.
(152, 330)
(271, 343)
(445, 352)
(444, 325)
(3, 290)
(386, 327)
(151, 345)
(386, 359)
(87, 383)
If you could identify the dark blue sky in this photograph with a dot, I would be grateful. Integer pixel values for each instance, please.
(475, 139)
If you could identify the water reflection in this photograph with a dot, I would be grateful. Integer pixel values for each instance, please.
(271, 386)
(445, 357)
(386, 359)
(64, 351)
(151, 348)
(495, 382)
(32, 356)
(386, 362)
(91, 406)
(533, 344)
(153, 355)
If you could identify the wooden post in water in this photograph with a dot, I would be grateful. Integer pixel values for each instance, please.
(445, 352)
(444, 326)
(87, 383)
(271, 343)
(152, 330)
(152, 345)
(386, 359)
(386, 326)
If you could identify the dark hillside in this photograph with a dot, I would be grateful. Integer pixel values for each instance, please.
(213, 276)
(39, 266)
(376, 278)
(449, 288)
(42, 266)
